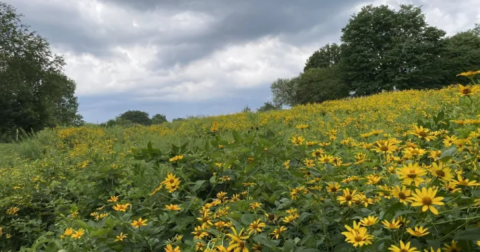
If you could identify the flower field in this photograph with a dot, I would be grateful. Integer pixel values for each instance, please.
(396, 171)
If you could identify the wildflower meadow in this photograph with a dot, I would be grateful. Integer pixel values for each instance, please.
(395, 171)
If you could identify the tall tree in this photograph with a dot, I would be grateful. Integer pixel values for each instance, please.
(284, 91)
(327, 56)
(387, 49)
(158, 119)
(462, 53)
(135, 116)
(317, 85)
(34, 91)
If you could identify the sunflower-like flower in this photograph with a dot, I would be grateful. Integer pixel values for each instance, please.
(426, 199)
(467, 90)
(395, 224)
(358, 236)
(442, 172)
(453, 247)
(422, 132)
(404, 247)
(369, 221)
(238, 241)
(402, 193)
(411, 173)
(256, 226)
(418, 231)
(347, 198)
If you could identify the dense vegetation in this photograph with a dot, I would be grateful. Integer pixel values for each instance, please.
(392, 169)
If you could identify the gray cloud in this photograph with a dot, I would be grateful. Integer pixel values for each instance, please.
(231, 22)
(197, 57)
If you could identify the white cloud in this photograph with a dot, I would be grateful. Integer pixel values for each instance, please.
(133, 66)
(235, 67)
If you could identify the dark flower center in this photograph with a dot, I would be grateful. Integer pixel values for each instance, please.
(427, 201)
(440, 173)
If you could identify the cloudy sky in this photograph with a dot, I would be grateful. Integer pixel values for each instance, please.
(197, 57)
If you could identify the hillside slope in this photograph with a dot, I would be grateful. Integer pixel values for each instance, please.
(369, 173)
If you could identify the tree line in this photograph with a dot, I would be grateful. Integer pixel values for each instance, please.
(382, 49)
(132, 117)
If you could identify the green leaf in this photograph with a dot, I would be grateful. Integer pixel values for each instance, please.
(304, 216)
(344, 247)
(448, 154)
(307, 250)
(183, 148)
(190, 203)
(81, 224)
(213, 180)
(198, 184)
(110, 222)
(391, 210)
(400, 213)
(175, 149)
(247, 219)
(469, 234)
(236, 136)
(262, 239)
(100, 232)
(288, 246)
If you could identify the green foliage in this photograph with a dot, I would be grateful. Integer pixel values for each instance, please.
(178, 119)
(476, 30)
(246, 109)
(317, 85)
(34, 92)
(268, 106)
(462, 53)
(136, 116)
(65, 178)
(284, 91)
(159, 119)
(387, 49)
(325, 57)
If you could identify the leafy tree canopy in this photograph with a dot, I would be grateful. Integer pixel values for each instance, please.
(158, 119)
(34, 91)
(284, 91)
(387, 49)
(327, 56)
(317, 85)
(136, 116)
(462, 53)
